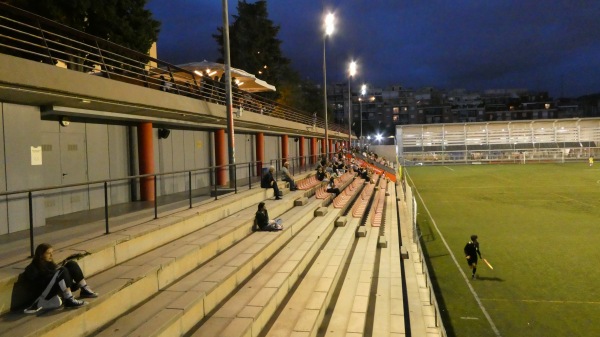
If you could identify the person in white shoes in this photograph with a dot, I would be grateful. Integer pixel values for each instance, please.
(50, 282)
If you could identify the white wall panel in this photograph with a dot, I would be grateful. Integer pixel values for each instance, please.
(118, 143)
(22, 131)
(98, 161)
(3, 202)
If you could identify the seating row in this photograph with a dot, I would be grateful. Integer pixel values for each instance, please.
(126, 264)
(362, 202)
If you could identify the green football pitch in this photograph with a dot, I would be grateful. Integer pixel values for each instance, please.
(538, 225)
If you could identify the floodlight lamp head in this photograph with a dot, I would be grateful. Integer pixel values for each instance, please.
(329, 21)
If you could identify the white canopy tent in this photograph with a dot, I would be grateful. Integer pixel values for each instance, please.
(247, 82)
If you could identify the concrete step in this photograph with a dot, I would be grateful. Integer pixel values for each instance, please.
(248, 311)
(388, 319)
(107, 250)
(177, 308)
(303, 314)
(350, 312)
(134, 280)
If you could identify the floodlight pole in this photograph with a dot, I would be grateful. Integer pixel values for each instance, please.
(228, 98)
(325, 95)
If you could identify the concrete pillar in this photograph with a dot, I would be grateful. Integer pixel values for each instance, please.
(260, 152)
(284, 147)
(146, 160)
(313, 150)
(221, 157)
(301, 150)
(330, 149)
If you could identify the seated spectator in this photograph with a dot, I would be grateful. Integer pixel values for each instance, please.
(332, 189)
(341, 168)
(262, 221)
(286, 176)
(364, 173)
(50, 281)
(268, 181)
(322, 175)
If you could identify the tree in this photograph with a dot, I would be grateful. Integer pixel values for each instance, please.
(254, 47)
(124, 22)
(253, 42)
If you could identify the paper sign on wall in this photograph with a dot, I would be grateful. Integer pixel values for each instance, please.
(36, 155)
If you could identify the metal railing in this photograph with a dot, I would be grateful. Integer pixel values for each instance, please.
(33, 37)
(501, 156)
(212, 189)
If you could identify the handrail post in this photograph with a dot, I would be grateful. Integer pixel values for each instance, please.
(30, 197)
(235, 178)
(155, 199)
(250, 176)
(215, 180)
(190, 186)
(106, 207)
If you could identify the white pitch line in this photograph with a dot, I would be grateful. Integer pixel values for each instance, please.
(540, 301)
(451, 169)
(581, 202)
(485, 313)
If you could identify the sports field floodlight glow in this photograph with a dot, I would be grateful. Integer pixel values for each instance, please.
(351, 72)
(363, 89)
(378, 137)
(352, 68)
(329, 23)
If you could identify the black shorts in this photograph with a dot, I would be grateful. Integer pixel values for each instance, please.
(472, 260)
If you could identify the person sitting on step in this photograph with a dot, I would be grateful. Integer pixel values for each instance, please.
(262, 221)
(268, 181)
(50, 281)
(287, 176)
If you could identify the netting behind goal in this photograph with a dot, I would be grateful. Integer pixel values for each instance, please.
(550, 141)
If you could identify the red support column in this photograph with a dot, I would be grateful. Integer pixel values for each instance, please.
(146, 160)
(330, 148)
(323, 146)
(260, 152)
(313, 150)
(221, 157)
(284, 148)
(301, 149)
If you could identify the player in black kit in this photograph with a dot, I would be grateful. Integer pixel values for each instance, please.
(471, 252)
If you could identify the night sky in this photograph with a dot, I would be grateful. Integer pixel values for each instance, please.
(551, 45)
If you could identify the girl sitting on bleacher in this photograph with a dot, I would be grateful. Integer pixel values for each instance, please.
(332, 189)
(322, 175)
(262, 221)
(48, 280)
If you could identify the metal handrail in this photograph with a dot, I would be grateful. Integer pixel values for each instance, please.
(212, 171)
(30, 36)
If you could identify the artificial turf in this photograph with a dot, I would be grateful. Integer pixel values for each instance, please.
(538, 225)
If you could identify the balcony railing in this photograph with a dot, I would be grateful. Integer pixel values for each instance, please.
(33, 37)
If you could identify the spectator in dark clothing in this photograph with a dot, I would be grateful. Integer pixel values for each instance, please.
(332, 189)
(471, 252)
(322, 175)
(287, 176)
(262, 221)
(48, 280)
(268, 181)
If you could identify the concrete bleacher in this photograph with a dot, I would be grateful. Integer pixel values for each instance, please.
(203, 272)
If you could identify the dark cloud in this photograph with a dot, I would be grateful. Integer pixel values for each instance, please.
(541, 45)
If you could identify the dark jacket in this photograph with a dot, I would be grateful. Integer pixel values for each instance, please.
(38, 276)
(266, 180)
(262, 219)
(472, 250)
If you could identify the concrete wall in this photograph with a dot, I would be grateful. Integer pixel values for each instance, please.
(21, 131)
(83, 152)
